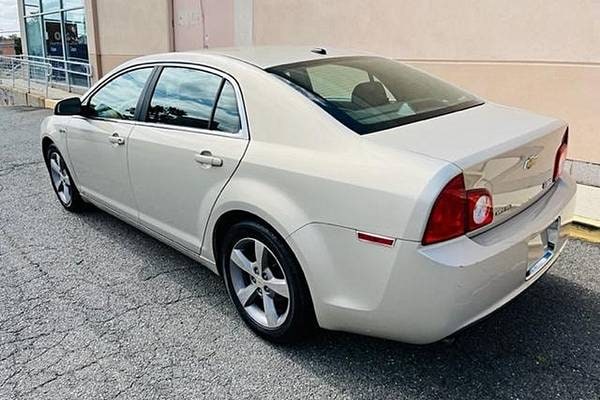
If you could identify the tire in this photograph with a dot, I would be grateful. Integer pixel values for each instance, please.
(62, 181)
(294, 316)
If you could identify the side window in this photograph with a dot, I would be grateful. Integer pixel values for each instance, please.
(227, 117)
(184, 97)
(118, 98)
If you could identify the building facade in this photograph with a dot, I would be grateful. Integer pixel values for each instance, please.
(535, 54)
(7, 47)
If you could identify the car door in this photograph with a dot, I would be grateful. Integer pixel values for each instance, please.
(97, 142)
(181, 156)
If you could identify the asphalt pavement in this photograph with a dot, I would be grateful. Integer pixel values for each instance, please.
(91, 308)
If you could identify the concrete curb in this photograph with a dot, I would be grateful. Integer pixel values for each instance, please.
(16, 97)
(10, 96)
(587, 206)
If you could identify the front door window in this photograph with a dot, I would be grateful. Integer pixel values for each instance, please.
(119, 98)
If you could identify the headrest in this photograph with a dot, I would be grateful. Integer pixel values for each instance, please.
(370, 94)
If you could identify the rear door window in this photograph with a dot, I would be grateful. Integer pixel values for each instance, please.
(227, 117)
(184, 97)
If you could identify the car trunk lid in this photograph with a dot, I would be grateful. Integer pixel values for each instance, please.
(508, 151)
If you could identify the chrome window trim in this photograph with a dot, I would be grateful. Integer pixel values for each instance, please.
(236, 135)
(243, 133)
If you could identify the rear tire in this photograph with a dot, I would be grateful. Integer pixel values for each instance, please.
(266, 284)
(62, 181)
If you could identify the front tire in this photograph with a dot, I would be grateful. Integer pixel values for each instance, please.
(62, 181)
(265, 283)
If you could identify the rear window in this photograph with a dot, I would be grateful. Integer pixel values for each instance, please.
(369, 94)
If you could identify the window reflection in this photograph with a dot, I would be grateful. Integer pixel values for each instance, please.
(119, 98)
(184, 97)
(49, 5)
(72, 3)
(32, 7)
(76, 35)
(227, 118)
(33, 29)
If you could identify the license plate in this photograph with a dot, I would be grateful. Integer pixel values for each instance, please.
(542, 248)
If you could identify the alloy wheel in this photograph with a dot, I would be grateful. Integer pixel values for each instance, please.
(259, 282)
(60, 178)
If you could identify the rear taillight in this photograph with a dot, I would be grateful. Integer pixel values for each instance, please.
(561, 157)
(448, 215)
(458, 211)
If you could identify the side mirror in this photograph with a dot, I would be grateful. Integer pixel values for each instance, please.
(71, 106)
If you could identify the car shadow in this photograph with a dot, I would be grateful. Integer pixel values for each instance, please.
(546, 343)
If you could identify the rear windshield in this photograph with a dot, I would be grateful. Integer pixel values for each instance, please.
(369, 94)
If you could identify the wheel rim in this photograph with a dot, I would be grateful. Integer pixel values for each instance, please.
(60, 178)
(259, 283)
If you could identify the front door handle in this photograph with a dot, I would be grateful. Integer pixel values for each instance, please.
(116, 139)
(207, 159)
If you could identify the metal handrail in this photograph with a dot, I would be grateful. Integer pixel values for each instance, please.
(27, 72)
(67, 68)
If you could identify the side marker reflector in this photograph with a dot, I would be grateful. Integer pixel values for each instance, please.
(376, 239)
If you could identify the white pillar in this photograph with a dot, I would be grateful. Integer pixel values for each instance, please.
(243, 22)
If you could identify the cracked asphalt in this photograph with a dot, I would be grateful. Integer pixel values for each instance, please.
(91, 308)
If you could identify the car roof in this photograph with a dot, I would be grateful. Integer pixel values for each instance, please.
(263, 56)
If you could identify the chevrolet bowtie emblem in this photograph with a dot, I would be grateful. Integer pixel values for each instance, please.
(530, 162)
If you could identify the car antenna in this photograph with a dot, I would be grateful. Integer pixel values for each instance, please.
(319, 50)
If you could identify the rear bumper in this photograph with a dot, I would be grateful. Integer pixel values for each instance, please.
(422, 294)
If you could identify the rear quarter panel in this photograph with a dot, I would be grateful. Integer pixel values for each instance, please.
(302, 167)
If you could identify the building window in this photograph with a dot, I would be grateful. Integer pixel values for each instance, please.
(56, 30)
(33, 30)
(50, 5)
(32, 7)
(72, 3)
(54, 38)
(76, 35)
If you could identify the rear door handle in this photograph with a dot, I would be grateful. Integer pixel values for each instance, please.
(116, 139)
(207, 159)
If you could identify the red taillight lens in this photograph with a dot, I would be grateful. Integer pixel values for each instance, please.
(448, 215)
(457, 211)
(480, 209)
(561, 157)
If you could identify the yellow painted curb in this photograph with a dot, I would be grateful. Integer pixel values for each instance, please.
(583, 232)
(50, 103)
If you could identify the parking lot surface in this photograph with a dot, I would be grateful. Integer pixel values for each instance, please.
(91, 308)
